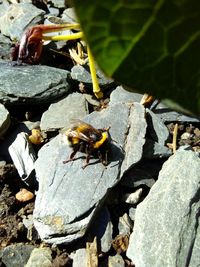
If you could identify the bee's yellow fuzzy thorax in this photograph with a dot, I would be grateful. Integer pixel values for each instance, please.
(102, 140)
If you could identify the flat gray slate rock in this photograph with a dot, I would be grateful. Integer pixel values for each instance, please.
(135, 136)
(60, 113)
(17, 17)
(5, 47)
(40, 257)
(27, 84)
(16, 255)
(68, 196)
(172, 237)
(120, 95)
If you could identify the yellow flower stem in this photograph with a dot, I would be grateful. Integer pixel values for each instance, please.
(73, 36)
(96, 89)
(174, 141)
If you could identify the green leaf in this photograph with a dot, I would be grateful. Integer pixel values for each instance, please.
(149, 45)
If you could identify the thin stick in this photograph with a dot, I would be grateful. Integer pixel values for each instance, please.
(174, 140)
(96, 89)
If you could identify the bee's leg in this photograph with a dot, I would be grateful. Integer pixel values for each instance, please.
(86, 162)
(100, 156)
(103, 158)
(105, 161)
(71, 158)
(88, 153)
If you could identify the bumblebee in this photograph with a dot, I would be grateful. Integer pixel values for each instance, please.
(89, 140)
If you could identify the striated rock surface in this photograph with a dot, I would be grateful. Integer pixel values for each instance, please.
(69, 196)
(172, 237)
(31, 84)
(120, 95)
(16, 255)
(17, 17)
(60, 113)
(40, 257)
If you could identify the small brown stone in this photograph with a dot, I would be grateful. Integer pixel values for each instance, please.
(24, 195)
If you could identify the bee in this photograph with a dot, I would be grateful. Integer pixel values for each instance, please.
(89, 140)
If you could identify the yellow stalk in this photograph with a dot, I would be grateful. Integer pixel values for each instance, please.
(73, 36)
(175, 132)
(96, 89)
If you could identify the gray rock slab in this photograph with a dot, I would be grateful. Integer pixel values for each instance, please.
(157, 131)
(132, 212)
(168, 115)
(59, 114)
(17, 17)
(53, 11)
(4, 120)
(5, 47)
(166, 228)
(16, 255)
(91, 99)
(135, 137)
(125, 225)
(68, 196)
(40, 257)
(80, 258)
(27, 84)
(59, 3)
(116, 261)
(120, 95)
(69, 15)
(4, 6)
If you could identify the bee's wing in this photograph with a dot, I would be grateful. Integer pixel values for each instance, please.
(84, 126)
(80, 123)
(77, 123)
(82, 130)
(79, 135)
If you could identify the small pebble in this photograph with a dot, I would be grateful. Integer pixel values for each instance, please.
(185, 136)
(24, 195)
(132, 198)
